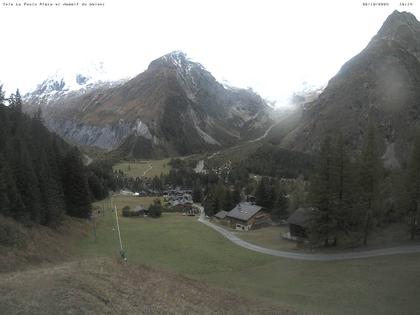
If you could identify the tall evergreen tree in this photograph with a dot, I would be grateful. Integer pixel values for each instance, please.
(281, 205)
(369, 179)
(2, 95)
(76, 190)
(413, 189)
(324, 223)
(265, 194)
(196, 193)
(15, 101)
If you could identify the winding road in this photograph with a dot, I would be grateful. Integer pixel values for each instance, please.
(306, 256)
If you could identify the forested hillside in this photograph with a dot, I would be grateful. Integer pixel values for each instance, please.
(270, 160)
(41, 177)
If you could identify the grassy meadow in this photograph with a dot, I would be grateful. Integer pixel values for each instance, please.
(382, 285)
(148, 168)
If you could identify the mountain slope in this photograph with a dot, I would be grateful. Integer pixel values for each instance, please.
(174, 107)
(381, 84)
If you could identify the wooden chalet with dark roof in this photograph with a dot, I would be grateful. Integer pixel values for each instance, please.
(246, 216)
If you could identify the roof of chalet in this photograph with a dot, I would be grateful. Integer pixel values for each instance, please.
(221, 214)
(300, 216)
(243, 211)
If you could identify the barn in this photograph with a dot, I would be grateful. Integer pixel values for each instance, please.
(299, 222)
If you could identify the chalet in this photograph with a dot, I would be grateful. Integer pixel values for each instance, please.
(246, 216)
(298, 224)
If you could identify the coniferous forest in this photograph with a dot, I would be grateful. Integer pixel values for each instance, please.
(42, 178)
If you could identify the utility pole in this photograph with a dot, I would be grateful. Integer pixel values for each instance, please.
(122, 253)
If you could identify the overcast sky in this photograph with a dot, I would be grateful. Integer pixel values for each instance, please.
(273, 46)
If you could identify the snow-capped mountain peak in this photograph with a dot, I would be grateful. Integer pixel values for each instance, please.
(64, 82)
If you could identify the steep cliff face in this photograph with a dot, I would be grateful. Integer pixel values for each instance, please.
(175, 107)
(380, 84)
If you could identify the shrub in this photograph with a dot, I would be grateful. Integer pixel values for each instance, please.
(155, 209)
(126, 211)
(12, 234)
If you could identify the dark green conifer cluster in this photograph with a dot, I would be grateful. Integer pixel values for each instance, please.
(41, 177)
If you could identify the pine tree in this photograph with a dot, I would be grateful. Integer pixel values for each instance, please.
(369, 178)
(236, 196)
(264, 194)
(2, 95)
(348, 220)
(322, 196)
(76, 189)
(15, 101)
(196, 193)
(281, 205)
(413, 189)
(4, 195)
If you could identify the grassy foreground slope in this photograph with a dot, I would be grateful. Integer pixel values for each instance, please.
(382, 285)
(105, 286)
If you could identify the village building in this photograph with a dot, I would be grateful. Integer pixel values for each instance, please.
(179, 206)
(246, 216)
(298, 224)
(221, 215)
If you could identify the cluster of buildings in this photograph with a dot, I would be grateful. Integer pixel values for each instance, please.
(178, 200)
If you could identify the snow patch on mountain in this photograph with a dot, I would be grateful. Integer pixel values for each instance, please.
(65, 82)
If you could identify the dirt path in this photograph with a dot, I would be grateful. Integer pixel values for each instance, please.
(306, 256)
(148, 170)
(265, 133)
(213, 155)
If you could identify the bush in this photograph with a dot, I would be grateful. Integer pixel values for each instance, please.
(12, 234)
(155, 209)
(126, 211)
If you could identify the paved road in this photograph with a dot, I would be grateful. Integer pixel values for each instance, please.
(307, 256)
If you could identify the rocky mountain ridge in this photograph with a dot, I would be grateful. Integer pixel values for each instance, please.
(381, 84)
(175, 107)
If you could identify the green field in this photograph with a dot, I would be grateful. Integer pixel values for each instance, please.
(383, 285)
(270, 237)
(148, 168)
(131, 201)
